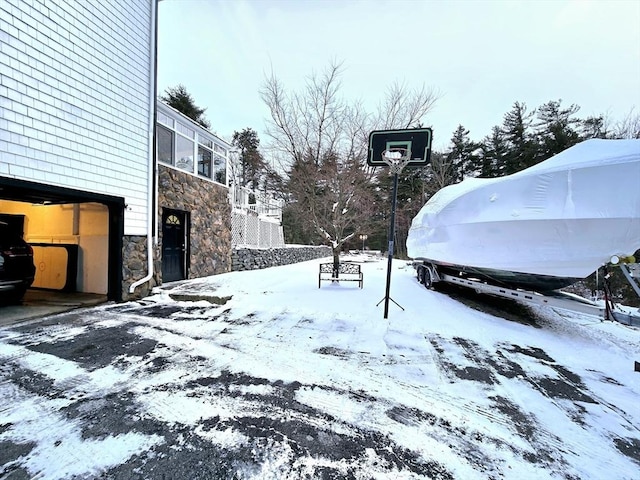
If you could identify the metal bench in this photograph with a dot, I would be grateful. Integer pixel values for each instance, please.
(347, 272)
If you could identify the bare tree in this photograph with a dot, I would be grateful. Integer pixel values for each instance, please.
(404, 108)
(441, 172)
(323, 141)
(628, 127)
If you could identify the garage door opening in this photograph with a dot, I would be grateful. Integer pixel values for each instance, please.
(76, 236)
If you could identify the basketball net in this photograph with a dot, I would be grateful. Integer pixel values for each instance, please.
(396, 158)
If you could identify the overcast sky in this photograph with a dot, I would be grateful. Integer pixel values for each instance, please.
(480, 56)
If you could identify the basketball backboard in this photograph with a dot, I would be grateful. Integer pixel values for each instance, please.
(417, 140)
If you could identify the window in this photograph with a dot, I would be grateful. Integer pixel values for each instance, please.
(205, 141)
(204, 161)
(186, 131)
(184, 154)
(186, 148)
(220, 168)
(164, 139)
(165, 120)
(172, 220)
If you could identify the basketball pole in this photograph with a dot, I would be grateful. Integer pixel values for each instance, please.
(393, 148)
(392, 234)
(396, 167)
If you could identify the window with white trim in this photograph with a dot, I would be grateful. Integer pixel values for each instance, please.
(164, 141)
(205, 166)
(186, 148)
(184, 153)
(220, 168)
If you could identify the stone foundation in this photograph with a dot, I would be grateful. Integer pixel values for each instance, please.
(208, 233)
(257, 258)
(134, 267)
(207, 204)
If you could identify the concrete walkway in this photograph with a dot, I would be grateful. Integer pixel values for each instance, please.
(41, 303)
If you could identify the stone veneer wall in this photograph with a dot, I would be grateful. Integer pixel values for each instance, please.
(257, 258)
(210, 215)
(134, 267)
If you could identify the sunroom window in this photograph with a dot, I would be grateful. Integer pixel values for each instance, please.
(220, 168)
(184, 154)
(164, 138)
(204, 161)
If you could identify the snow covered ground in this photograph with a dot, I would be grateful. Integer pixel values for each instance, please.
(287, 380)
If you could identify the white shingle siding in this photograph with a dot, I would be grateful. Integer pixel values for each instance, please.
(76, 92)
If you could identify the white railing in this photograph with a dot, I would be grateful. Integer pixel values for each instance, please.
(260, 203)
(256, 219)
(250, 230)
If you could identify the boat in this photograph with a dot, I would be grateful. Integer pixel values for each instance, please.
(542, 228)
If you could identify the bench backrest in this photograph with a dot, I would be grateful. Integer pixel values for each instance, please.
(344, 268)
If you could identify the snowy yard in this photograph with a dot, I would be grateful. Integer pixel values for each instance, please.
(288, 381)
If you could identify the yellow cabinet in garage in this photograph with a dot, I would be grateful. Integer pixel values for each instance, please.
(56, 266)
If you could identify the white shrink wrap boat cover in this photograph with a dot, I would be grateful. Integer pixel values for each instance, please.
(563, 217)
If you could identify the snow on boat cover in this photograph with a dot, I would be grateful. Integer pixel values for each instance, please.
(562, 218)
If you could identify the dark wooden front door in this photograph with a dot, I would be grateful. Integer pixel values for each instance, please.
(173, 245)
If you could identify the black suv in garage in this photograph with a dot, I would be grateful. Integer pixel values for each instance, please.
(17, 270)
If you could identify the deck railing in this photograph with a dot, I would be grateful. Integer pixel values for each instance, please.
(256, 219)
(261, 203)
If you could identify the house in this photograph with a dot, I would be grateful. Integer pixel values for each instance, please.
(117, 192)
(77, 101)
(194, 209)
(205, 216)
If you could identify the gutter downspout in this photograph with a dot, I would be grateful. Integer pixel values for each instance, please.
(151, 184)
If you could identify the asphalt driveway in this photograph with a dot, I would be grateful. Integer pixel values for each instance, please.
(184, 388)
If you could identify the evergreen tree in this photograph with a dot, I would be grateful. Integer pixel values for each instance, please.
(493, 155)
(322, 141)
(593, 127)
(463, 154)
(522, 152)
(410, 199)
(252, 165)
(181, 100)
(555, 128)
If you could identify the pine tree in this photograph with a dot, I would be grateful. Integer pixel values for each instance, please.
(494, 152)
(463, 154)
(523, 150)
(321, 140)
(410, 199)
(593, 127)
(555, 128)
(252, 165)
(178, 98)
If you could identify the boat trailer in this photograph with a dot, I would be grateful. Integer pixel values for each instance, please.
(428, 275)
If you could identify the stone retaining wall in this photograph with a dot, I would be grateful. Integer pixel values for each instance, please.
(257, 258)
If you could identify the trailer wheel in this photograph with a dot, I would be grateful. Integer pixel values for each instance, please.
(424, 276)
(428, 277)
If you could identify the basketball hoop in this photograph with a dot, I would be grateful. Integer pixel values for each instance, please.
(394, 148)
(396, 158)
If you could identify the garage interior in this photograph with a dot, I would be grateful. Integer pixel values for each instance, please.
(77, 243)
